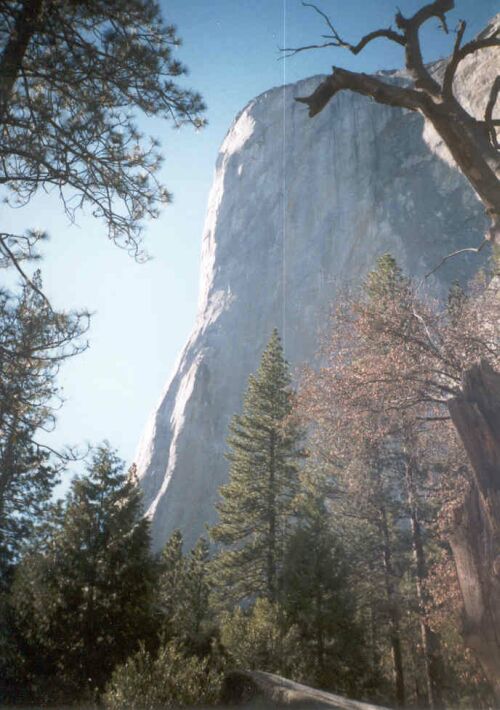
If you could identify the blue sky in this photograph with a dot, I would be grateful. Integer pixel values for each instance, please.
(143, 313)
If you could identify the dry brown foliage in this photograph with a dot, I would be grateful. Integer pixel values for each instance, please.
(396, 355)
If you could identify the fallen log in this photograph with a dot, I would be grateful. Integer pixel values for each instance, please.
(266, 690)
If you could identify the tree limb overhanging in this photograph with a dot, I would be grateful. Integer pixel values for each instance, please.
(472, 142)
(74, 77)
(337, 41)
(473, 250)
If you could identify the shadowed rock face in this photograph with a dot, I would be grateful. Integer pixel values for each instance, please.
(298, 208)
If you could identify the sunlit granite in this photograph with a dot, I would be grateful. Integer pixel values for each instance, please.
(299, 207)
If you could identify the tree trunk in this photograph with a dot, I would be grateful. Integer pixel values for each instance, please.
(394, 620)
(320, 634)
(430, 641)
(272, 543)
(12, 57)
(467, 142)
(7, 474)
(475, 540)
(374, 652)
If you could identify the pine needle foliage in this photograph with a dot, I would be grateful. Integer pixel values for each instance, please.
(385, 280)
(86, 600)
(256, 505)
(74, 78)
(318, 598)
(184, 591)
(34, 343)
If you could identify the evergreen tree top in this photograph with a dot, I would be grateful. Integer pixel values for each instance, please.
(268, 395)
(256, 504)
(385, 279)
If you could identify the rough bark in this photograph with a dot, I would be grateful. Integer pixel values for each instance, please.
(475, 540)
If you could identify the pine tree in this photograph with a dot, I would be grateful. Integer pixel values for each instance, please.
(456, 302)
(184, 590)
(317, 597)
(383, 281)
(256, 504)
(171, 581)
(197, 606)
(258, 638)
(87, 600)
(34, 341)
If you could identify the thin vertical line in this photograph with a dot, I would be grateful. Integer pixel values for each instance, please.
(283, 242)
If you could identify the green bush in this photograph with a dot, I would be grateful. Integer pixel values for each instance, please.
(171, 679)
(258, 638)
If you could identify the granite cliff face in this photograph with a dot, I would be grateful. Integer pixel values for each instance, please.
(298, 207)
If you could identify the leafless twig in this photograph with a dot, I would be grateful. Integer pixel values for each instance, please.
(337, 41)
(473, 250)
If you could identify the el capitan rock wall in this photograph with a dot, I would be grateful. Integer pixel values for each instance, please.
(297, 209)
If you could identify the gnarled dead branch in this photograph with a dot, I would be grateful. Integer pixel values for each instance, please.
(472, 142)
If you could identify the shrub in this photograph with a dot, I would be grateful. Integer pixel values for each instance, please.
(171, 679)
(258, 638)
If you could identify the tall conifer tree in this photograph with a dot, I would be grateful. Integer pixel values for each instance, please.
(86, 600)
(317, 597)
(184, 591)
(256, 505)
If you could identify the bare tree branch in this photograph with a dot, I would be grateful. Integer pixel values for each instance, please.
(292, 51)
(472, 143)
(459, 53)
(337, 41)
(410, 27)
(473, 250)
(342, 79)
(453, 63)
(437, 9)
(488, 115)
